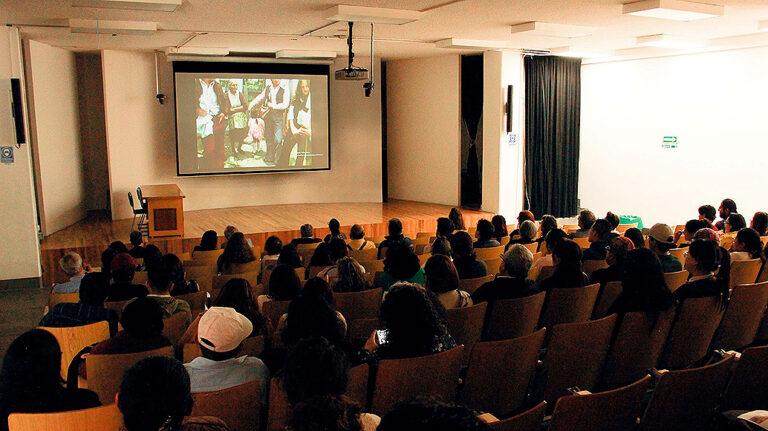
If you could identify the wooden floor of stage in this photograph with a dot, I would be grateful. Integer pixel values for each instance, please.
(90, 237)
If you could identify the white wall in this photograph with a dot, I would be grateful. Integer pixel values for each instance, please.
(55, 128)
(19, 248)
(715, 104)
(423, 129)
(142, 148)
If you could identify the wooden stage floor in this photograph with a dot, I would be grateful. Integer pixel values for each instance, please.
(91, 236)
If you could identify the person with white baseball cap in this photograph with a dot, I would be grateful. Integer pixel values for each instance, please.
(661, 239)
(220, 335)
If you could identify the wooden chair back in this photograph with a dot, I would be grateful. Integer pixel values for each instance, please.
(372, 266)
(569, 305)
(73, 339)
(202, 274)
(529, 420)
(423, 258)
(532, 247)
(466, 326)
(763, 274)
(746, 389)
(364, 255)
(567, 227)
(513, 318)
(691, 334)
(359, 305)
(306, 254)
(583, 242)
(220, 280)
(489, 253)
(742, 317)
(636, 347)
(685, 400)
(625, 227)
(575, 356)
(197, 300)
(379, 239)
(104, 418)
(675, 279)
(312, 271)
(140, 277)
(744, 271)
(240, 268)
(357, 389)
(590, 266)
(206, 257)
(492, 265)
(238, 406)
(174, 327)
(273, 310)
(55, 299)
(608, 294)
(105, 372)
(424, 234)
(252, 346)
(360, 329)
(500, 373)
(279, 409)
(544, 273)
(471, 284)
(679, 253)
(401, 379)
(614, 410)
(116, 306)
(504, 241)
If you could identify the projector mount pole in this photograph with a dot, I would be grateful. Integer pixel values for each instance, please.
(349, 44)
(368, 86)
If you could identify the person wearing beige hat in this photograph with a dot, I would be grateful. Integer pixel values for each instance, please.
(220, 335)
(661, 239)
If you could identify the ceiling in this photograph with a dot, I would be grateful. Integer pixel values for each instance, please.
(262, 26)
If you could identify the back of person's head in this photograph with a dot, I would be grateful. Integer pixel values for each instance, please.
(71, 263)
(237, 294)
(441, 246)
(334, 226)
(444, 226)
(457, 218)
(317, 287)
(273, 245)
(548, 222)
(760, 223)
(527, 230)
(401, 262)
(523, 216)
(708, 212)
(661, 238)
(395, 227)
(356, 232)
(155, 395)
(485, 230)
(692, 226)
(499, 226)
(321, 255)
(517, 261)
(123, 268)
(307, 231)
(422, 414)
(729, 205)
(441, 275)
(289, 255)
(706, 253)
(311, 314)
(553, 237)
(229, 231)
(736, 222)
(31, 370)
(119, 246)
(221, 332)
(160, 277)
(136, 238)
(337, 248)
(749, 240)
(284, 283)
(152, 256)
(142, 317)
(412, 319)
(350, 277)
(462, 246)
(106, 259)
(210, 240)
(93, 289)
(636, 236)
(617, 250)
(643, 280)
(237, 250)
(706, 233)
(602, 228)
(567, 255)
(613, 219)
(314, 367)
(174, 265)
(586, 219)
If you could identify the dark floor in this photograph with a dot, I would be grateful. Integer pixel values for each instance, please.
(20, 310)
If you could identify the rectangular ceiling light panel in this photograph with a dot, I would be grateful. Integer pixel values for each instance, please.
(112, 27)
(197, 51)
(663, 41)
(470, 44)
(375, 15)
(552, 30)
(678, 10)
(297, 53)
(153, 5)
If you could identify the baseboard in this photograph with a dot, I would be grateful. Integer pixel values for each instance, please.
(21, 283)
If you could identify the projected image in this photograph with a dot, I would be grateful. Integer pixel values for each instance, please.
(253, 123)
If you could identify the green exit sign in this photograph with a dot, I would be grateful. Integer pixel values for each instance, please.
(669, 142)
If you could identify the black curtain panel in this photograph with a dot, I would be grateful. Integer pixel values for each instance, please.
(471, 113)
(552, 116)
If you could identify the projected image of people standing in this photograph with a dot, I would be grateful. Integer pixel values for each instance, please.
(272, 104)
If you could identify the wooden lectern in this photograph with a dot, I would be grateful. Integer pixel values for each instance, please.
(165, 209)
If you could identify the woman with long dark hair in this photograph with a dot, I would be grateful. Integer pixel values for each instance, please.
(644, 287)
(209, 242)
(237, 294)
(180, 284)
(567, 259)
(499, 227)
(457, 218)
(703, 258)
(401, 264)
(760, 223)
(236, 251)
(350, 276)
(299, 127)
(747, 245)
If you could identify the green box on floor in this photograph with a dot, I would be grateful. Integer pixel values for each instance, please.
(629, 219)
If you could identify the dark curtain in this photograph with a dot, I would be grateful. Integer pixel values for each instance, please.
(552, 116)
(471, 112)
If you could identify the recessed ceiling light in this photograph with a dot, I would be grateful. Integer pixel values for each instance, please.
(296, 53)
(762, 25)
(189, 50)
(112, 27)
(154, 5)
(664, 41)
(377, 15)
(678, 10)
(470, 44)
(552, 30)
(570, 51)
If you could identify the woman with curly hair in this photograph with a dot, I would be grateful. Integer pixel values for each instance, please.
(401, 264)
(457, 218)
(350, 276)
(499, 227)
(236, 251)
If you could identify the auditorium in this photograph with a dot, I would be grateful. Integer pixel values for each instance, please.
(391, 215)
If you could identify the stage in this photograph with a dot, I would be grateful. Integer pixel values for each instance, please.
(92, 235)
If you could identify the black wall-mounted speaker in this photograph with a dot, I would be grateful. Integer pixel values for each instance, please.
(18, 111)
(509, 108)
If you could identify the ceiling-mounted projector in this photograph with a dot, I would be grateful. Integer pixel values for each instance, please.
(352, 72)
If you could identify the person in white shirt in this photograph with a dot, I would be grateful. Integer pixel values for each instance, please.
(220, 334)
(72, 265)
(272, 104)
(211, 123)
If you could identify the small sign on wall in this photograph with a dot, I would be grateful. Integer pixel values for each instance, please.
(512, 139)
(669, 142)
(6, 155)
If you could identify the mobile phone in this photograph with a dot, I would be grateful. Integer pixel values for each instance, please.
(381, 335)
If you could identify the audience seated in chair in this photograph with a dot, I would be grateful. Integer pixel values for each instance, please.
(180, 285)
(137, 245)
(614, 220)
(636, 236)
(703, 259)
(152, 256)
(395, 229)
(30, 380)
(335, 228)
(499, 227)
(747, 245)
(122, 289)
(441, 246)
(401, 264)
(119, 246)
(524, 234)
(464, 257)
(599, 235)
(228, 232)
(443, 281)
(350, 276)
(307, 235)
(548, 223)
(312, 313)
(457, 218)
(90, 308)
(733, 224)
(586, 220)
(512, 282)
(691, 226)
(237, 251)
(422, 414)
(208, 242)
(568, 274)
(760, 223)
(643, 285)
(72, 265)
(357, 239)
(485, 234)
(220, 334)
(160, 280)
(284, 285)
(553, 237)
(615, 257)
(444, 230)
(289, 255)
(727, 207)
(155, 395)
(337, 250)
(660, 241)
(708, 213)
